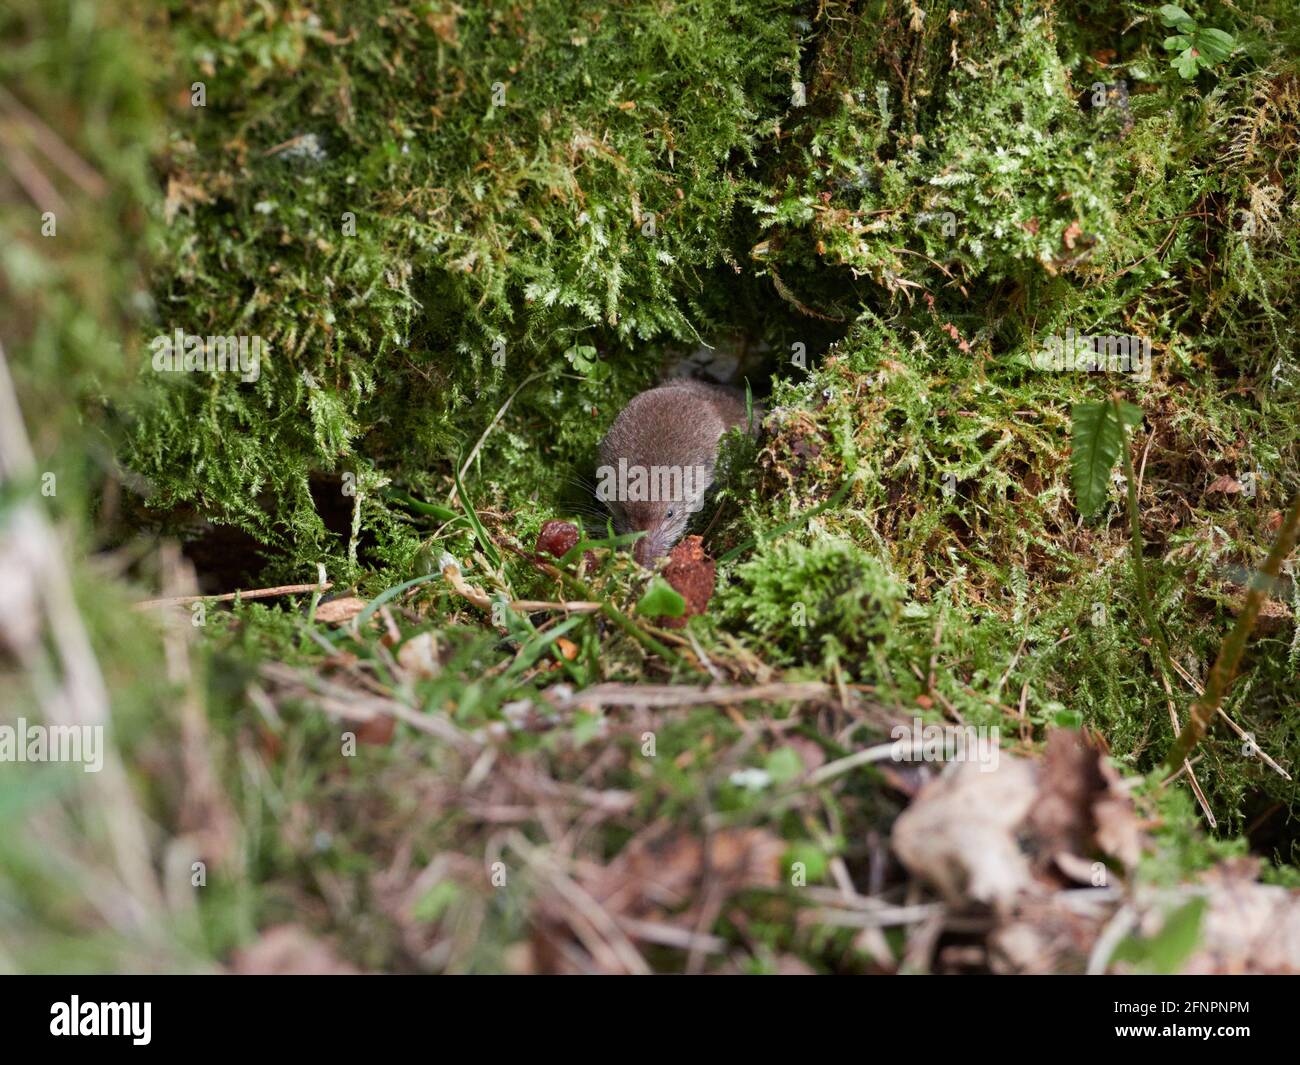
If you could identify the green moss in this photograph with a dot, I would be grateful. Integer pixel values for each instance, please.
(824, 602)
(905, 522)
(521, 181)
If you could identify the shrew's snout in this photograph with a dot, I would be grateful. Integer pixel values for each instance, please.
(647, 549)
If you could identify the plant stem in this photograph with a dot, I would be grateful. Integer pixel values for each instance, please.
(1225, 666)
(609, 610)
(1136, 547)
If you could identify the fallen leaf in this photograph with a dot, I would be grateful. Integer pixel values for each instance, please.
(1224, 485)
(376, 731)
(1119, 832)
(1046, 935)
(338, 611)
(1062, 813)
(960, 831)
(289, 950)
(1248, 927)
(1083, 806)
(810, 752)
(692, 574)
(419, 655)
(663, 877)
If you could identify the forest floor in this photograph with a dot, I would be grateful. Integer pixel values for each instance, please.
(369, 711)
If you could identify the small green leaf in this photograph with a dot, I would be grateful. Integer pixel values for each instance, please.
(586, 727)
(661, 599)
(1068, 719)
(1168, 949)
(1173, 15)
(1095, 439)
(1214, 45)
(1177, 43)
(431, 509)
(810, 856)
(582, 357)
(1186, 64)
(783, 765)
(436, 901)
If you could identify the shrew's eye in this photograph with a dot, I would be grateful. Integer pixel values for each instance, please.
(670, 513)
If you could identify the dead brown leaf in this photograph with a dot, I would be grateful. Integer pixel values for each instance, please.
(338, 611)
(376, 731)
(964, 832)
(1062, 815)
(1225, 484)
(419, 655)
(289, 950)
(960, 831)
(1248, 927)
(663, 877)
(692, 574)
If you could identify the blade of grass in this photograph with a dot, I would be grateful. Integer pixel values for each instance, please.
(1136, 548)
(430, 509)
(538, 644)
(386, 595)
(480, 533)
(615, 542)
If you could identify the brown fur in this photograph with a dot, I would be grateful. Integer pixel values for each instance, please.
(677, 425)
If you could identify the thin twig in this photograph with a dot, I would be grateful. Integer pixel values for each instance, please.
(1187, 765)
(666, 696)
(40, 189)
(451, 572)
(229, 597)
(618, 947)
(86, 177)
(1241, 732)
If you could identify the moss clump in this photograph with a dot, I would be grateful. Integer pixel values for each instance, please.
(439, 203)
(826, 602)
(979, 162)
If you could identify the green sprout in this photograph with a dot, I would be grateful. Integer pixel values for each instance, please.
(1198, 48)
